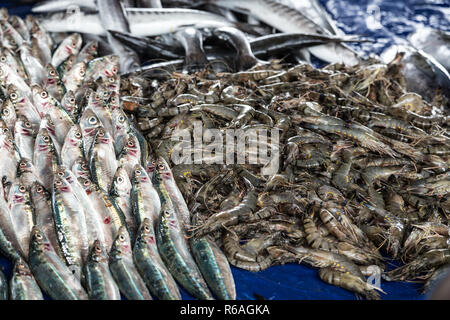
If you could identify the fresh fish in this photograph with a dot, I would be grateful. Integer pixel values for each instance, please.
(18, 24)
(58, 5)
(23, 285)
(70, 225)
(99, 282)
(69, 103)
(150, 265)
(72, 148)
(22, 216)
(144, 198)
(42, 204)
(214, 266)
(23, 105)
(26, 173)
(42, 101)
(122, 267)
(166, 178)
(9, 76)
(245, 58)
(41, 50)
(98, 104)
(143, 22)
(192, 41)
(113, 17)
(24, 136)
(89, 124)
(285, 19)
(175, 253)
(74, 78)
(120, 192)
(48, 124)
(88, 52)
(121, 129)
(111, 217)
(8, 115)
(81, 168)
(53, 83)
(148, 48)
(33, 67)
(102, 160)
(103, 67)
(130, 155)
(51, 273)
(12, 61)
(45, 158)
(9, 242)
(66, 65)
(70, 46)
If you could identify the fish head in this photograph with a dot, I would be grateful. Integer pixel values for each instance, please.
(80, 168)
(38, 192)
(38, 241)
(163, 169)
(97, 252)
(44, 141)
(89, 122)
(18, 193)
(87, 184)
(25, 165)
(24, 126)
(61, 185)
(121, 181)
(21, 268)
(122, 243)
(74, 136)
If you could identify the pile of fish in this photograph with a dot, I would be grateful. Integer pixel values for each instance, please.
(94, 205)
(81, 215)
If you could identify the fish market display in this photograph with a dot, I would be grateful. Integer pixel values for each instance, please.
(145, 149)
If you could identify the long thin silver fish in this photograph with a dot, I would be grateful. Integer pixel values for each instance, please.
(286, 19)
(143, 22)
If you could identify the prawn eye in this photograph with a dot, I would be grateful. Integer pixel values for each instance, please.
(92, 120)
(22, 189)
(44, 94)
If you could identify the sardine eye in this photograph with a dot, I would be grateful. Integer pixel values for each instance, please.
(38, 236)
(28, 124)
(121, 118)
(84, 167)
(138, 172)
(44, 94)
(5, 112)
(113, 100)
(13, 96)
(86, 182)
(78, 135)
(161, 166)
(92, 120)
(46, 138)
(98, 249)
(122, 237)
(58, 182)
(22, 164)
(74, 44)
(101, 133)
(114, 70)
(119, 179)
(1, 72)
(72, 100)
(22, 189)
(61, 174)
(39, 189)
(3, 59)
(82, 72)
(52, 72)
(146, 228)
(130, 144)
(111, 79)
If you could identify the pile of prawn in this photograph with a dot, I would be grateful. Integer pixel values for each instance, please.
(363, 178)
